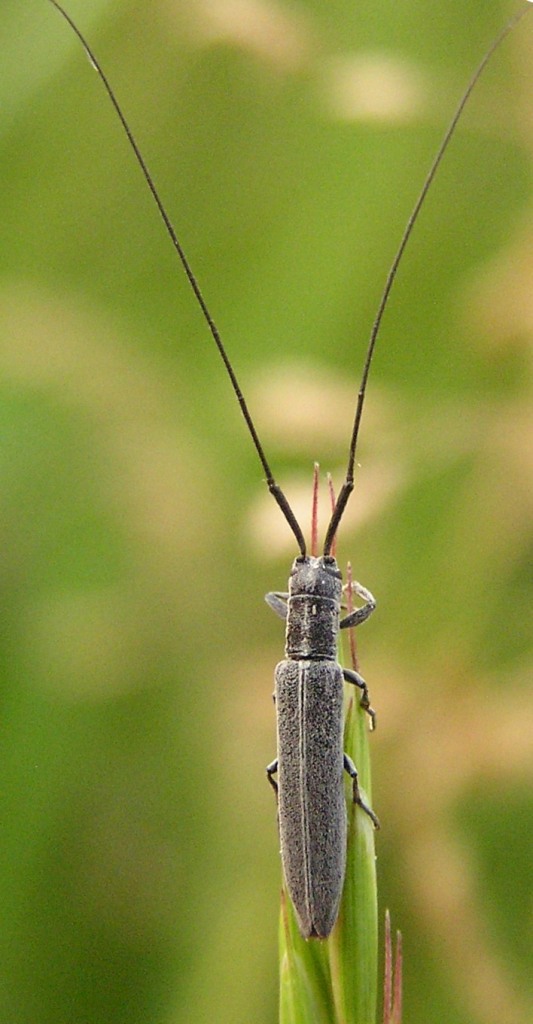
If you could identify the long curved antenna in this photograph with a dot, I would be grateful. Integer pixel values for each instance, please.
(273, 487)
(348, 485)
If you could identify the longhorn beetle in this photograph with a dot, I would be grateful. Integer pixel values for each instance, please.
(309, 682)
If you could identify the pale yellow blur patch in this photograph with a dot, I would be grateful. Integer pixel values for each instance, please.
(499, 301)
(309, 411)
(381, 485)
(374, 87)
(69, 351)
(88, 641)
(307, 407)
(277, 36)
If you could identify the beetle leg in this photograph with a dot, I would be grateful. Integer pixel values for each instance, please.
(357, 798)
(353, 677)
(272, 770)
(278, 603)
(359, 614)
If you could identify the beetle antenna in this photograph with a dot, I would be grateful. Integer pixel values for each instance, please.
(348, 485)
(273, 487)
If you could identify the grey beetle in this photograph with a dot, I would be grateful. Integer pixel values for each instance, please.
(309, 704)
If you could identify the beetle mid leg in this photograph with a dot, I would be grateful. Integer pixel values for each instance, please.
(271, 770)
(350, 768)
(353, 677)
(278, 603)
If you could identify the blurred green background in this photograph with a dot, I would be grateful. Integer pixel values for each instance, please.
(139, 866)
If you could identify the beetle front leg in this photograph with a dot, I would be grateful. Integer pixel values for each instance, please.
(350, 768)
(353, 677)
(278, 603)
(359, 614)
